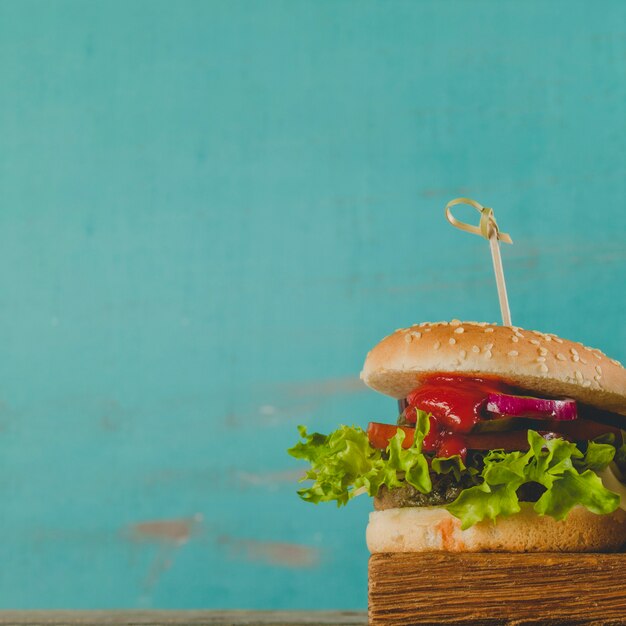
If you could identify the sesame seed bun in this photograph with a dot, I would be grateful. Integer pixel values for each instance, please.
(428, 529)
(538, 362)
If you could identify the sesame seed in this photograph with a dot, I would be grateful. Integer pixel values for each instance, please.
(514, 339)
(535, 342)
(587, 348)
(597, 356)
(575, 358)
(547, 337)
(597, 377)
(459, 330)
(560, 357)
(417, 334)
(543, 367)
(481, 323)
(488, 330)
(537, 332)
(587, 383)
(408, 338)
(452, 341)
(557, 339)
(518, 334)
(513, 353)
(542, 351)
(599, 370)
(437, 344)
(488, 346)
(455, 323)
(579, 376)
(541, 359)
(427, 330)
(573, 350)
(583, 360)
(488, 354)
(475, 349)
(462, 354)
(615, 362)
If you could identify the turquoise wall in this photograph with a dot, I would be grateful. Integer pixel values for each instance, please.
(210, 211)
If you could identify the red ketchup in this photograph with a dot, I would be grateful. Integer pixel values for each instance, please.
(456, 404)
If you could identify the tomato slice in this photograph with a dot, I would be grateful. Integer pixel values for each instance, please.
(513, 440)
(452, 445)
(448, 444)
(380, 434)
(581, 429)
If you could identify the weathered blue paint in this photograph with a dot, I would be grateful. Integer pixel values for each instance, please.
(210, 211)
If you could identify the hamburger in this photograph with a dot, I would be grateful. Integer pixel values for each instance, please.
(506, 440)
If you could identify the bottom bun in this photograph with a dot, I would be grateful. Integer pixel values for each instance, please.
(428, 529)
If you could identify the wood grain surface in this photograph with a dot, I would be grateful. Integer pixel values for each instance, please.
(497, 589)
(178, 618)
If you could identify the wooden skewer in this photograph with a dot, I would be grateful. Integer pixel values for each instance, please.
(500, 283)
(488, 228)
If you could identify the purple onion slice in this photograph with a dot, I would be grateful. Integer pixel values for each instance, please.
(526, 406)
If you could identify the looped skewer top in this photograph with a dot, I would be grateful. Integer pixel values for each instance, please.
(487, 228)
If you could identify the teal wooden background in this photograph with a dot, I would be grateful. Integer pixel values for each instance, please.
(210, 211)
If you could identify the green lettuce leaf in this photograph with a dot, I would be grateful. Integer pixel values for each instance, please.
(567, 475)
(344, 464)
(484, 501)
(572, 488)
(451, 465)
(597, 456)
(502, 475)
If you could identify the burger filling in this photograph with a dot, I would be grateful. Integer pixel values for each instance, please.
(477, 446)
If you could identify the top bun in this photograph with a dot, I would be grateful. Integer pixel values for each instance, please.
(529, 359)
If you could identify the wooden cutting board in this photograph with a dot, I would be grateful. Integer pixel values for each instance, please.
(498, 588)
